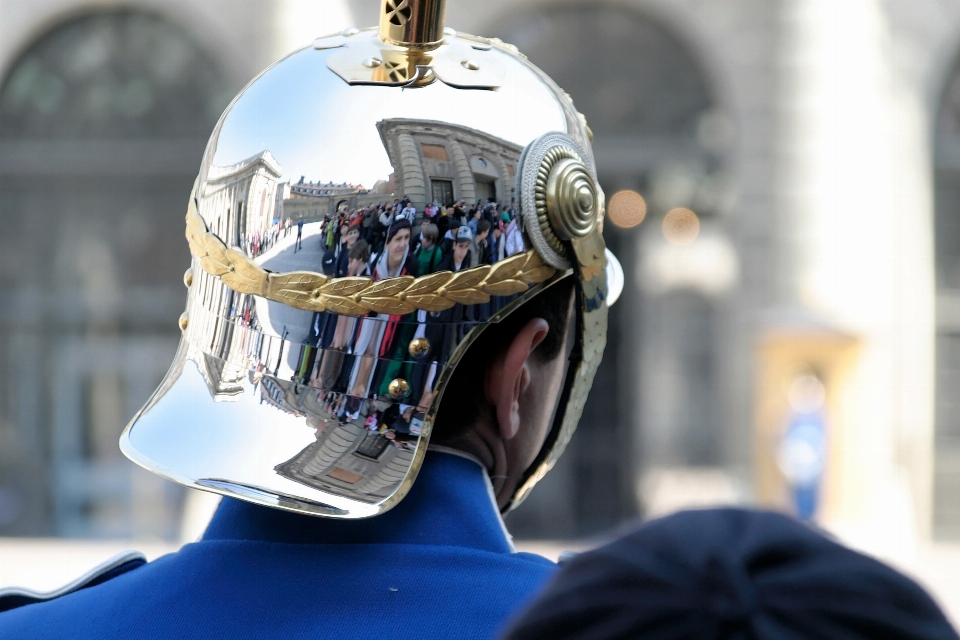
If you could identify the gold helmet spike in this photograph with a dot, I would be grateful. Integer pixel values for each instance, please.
(309, 374)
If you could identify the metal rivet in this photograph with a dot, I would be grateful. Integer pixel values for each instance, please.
(352, 31)
(188, 278)
(419, 347)
(184, 321)
(479, 46)
(371, 63)
(470, 64)
(399, 388)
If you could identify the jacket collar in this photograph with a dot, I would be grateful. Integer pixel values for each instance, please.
(451, 503)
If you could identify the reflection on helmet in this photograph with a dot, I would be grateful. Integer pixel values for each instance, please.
(310, 371)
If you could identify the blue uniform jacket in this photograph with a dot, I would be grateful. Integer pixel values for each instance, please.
(439, 565)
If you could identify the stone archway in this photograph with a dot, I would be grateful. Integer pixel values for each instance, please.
(103, 120)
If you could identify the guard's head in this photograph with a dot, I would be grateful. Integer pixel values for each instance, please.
(283, 370)
(501, 400)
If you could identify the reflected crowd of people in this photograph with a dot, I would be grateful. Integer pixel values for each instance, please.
(495, 230)
(352, 362)
(259, 242)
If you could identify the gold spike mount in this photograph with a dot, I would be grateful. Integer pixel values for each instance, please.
(416, 24)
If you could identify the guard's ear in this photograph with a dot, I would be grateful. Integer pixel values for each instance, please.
(509, 376)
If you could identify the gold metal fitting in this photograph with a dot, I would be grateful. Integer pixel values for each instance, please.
(399, 388)
(188, 278)
(413, 23)
(419, 347)
(184, 321)
(571, 199)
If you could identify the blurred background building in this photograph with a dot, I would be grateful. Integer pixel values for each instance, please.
(784, 184)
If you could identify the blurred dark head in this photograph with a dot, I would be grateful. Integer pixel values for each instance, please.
(483, 229)
(729, 574)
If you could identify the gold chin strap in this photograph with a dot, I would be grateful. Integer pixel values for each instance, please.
(353, 296)
(561, 202)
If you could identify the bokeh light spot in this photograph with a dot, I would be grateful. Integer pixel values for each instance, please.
(627, 209)
(681, 226)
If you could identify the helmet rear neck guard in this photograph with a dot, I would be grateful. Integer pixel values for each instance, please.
(315, 390)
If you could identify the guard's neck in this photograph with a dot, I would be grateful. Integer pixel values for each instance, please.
(486, 446)
(451, 503)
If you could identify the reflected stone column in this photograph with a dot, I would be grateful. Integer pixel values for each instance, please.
(414, 184)
(468, 188)
(507, 182)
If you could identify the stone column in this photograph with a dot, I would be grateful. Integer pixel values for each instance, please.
(468, 188)
(854, 218)
(413, 182)
(506, 180)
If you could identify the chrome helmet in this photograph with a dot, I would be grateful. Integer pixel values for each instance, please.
(315, 390)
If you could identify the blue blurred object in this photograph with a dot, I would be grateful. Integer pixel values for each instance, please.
(802, 450)
(802, 459)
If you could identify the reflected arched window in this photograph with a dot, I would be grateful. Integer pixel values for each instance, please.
(946, 497)
(648, 104)
(103, 120)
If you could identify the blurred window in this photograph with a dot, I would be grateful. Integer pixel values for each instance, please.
(103, 120)
(372, 446)
(442, 191)
(435, 151)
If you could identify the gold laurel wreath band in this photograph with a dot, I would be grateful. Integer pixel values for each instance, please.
(353, 296)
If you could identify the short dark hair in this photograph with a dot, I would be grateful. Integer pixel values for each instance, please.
(464, 398)
(360, 251)
(482, 226)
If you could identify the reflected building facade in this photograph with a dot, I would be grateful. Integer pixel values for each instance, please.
(442, 163)
(314, 200)
(246, 194)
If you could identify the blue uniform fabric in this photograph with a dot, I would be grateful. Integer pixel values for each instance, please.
(439, 565)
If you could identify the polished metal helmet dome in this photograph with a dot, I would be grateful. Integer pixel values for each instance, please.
(316, 392)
